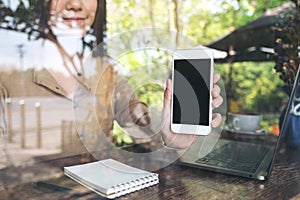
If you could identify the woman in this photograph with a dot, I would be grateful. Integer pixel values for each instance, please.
(69, 21)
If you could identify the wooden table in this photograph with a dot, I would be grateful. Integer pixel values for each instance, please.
(176, 182)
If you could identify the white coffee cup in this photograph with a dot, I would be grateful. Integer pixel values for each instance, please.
(248, 122)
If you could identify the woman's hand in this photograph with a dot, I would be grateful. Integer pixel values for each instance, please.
(182, 141)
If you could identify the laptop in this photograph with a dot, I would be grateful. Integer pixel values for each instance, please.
(250, 158)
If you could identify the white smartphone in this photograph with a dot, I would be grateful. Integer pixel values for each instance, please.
(192, 82)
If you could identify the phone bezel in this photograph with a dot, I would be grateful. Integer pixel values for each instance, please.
(193, 54)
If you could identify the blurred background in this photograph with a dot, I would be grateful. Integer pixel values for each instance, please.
(251, 85)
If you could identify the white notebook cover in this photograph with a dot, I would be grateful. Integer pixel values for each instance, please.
(111, 178)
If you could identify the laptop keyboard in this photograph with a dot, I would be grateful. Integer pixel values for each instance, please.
(236, 156)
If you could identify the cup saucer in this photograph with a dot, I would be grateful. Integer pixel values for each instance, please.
(256, 132)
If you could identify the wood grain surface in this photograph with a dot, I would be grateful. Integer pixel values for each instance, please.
(176, 182)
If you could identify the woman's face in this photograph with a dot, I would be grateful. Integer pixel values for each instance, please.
(72, 16)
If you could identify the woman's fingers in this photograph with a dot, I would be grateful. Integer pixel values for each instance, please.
(216, 120)
(167, 100)
(216, 91)
(216, 78)
(217, 101)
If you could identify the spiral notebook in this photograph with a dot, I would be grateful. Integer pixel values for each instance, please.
(110, 178)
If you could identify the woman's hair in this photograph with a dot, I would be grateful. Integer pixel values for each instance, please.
(31, 19)
(98, 29)
(99, 25)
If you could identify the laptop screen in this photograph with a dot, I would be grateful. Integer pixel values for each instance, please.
(289, 132)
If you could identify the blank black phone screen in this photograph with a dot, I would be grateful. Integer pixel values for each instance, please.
(191, 91)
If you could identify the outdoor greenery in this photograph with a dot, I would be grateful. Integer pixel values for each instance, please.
(249, 86)
(287, 42)
(203, 21)
(258, 85)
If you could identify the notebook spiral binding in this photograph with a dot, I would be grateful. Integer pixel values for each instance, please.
(132, 186)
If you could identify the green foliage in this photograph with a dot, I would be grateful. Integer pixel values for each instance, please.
(119, 136)
(252, 86)
(268, 122)
(287, 40)
(203, 21)
(145, 70)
